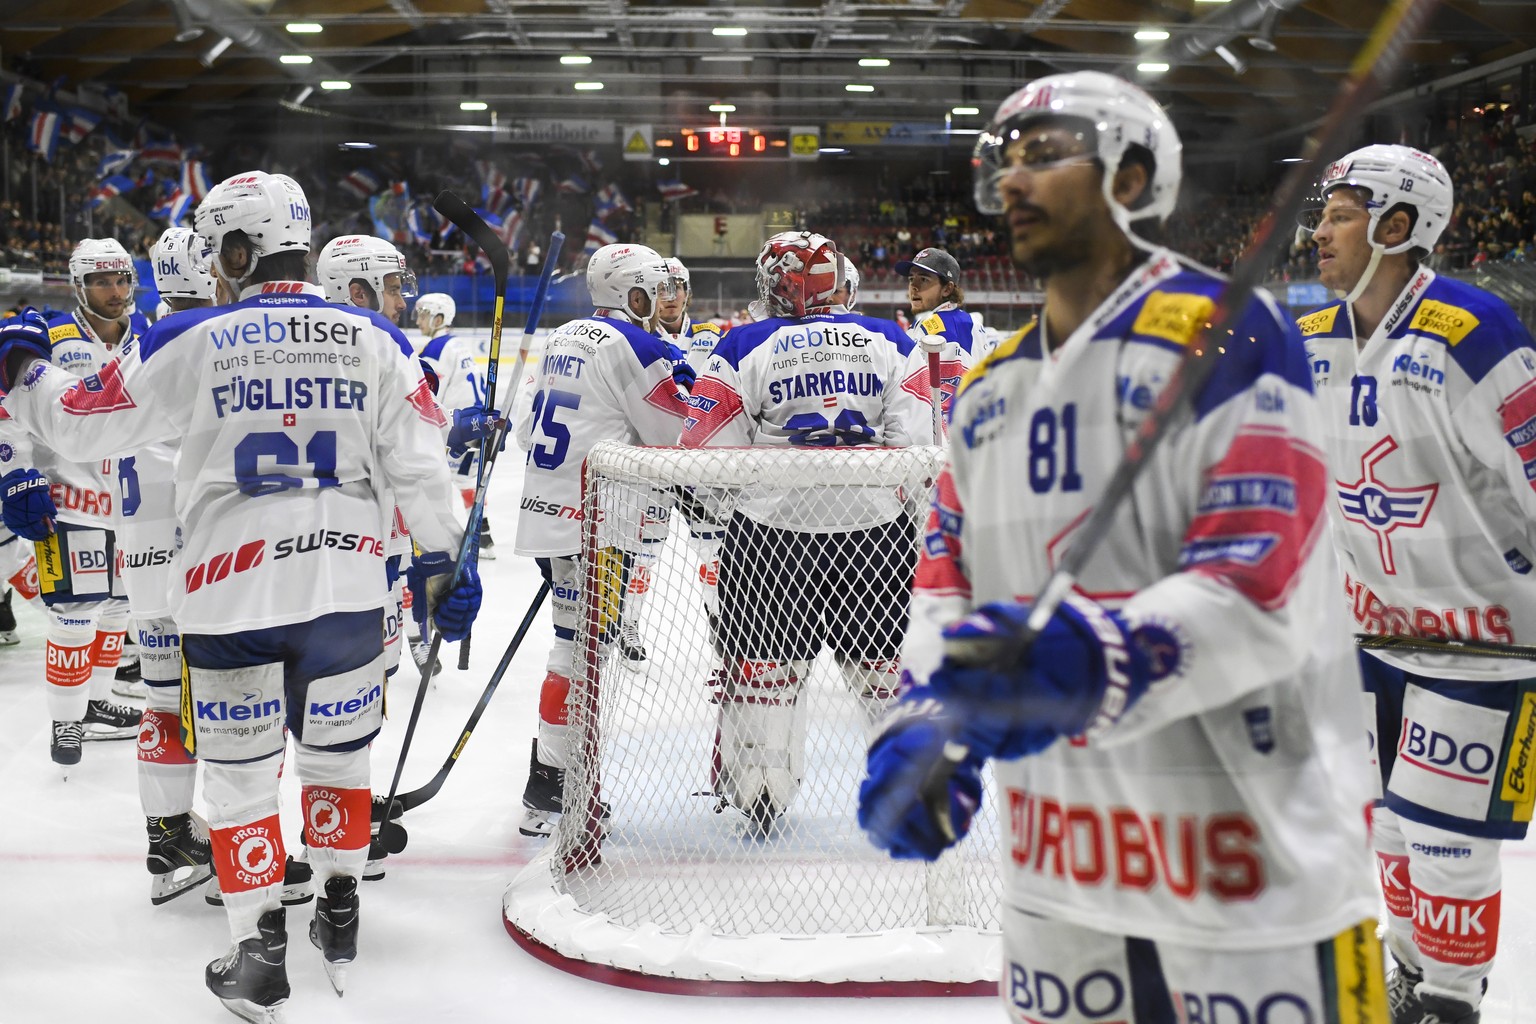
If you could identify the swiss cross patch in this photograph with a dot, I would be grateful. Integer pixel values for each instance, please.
(426, 406)
(290, 420)
(100, 392)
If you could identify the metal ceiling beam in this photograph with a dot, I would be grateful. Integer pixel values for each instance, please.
(230, 19)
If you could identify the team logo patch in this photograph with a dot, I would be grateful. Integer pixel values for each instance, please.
(1449, 322)
(1382, 508)
(1261, 730)
(31, 377)
(7, 453)
(1319, 322)
(100, 392)
(1173, 316)
(425, 405)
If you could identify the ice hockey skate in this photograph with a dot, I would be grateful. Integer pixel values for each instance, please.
(8, 634)
(128, 680)
(542, 797)
(180, 858)
(629, 643)
(251, 980)
(64, 745)
(296, 889)
(1444, 1010)
(105, 720)
(420, 650)
(487, 545)
(333, 929)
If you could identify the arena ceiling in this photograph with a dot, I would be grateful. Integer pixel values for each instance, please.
(412, 62)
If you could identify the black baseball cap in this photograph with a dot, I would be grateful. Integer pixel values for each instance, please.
(936, 261)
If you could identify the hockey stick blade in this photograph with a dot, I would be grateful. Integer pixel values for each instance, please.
(1376, 63)
(463, 217)
(1431, 645)
(417, 797)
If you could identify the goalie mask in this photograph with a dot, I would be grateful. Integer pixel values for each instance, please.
(1391, 176)
(616, 269)
(798, 272)
(431, 306)
(1108, 116)
(365, 258)
(181, 260)
(99, 256)
(270, 209)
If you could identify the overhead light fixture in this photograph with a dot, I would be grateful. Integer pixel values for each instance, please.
(874, 62)
(722, 108)
(473, 105)
(597, 33)
(1213, 1)
(832, 149)
(334, 86)
(851, 87)
(304, 28)
(966, 111)
(728, 30)
(296, 58)
(588, 86)
(1236, 63)
(186, 29)
(304, 93)
(664, 162)
(357, 145)
(215, 51)
(1291, 159)
(1152, 67)
(1264, 38)
(860, 37)
(575, 58)
(1151, 35)
(726, 58)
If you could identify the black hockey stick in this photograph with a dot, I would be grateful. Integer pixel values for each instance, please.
(416, 797)
(1373, 67)
(1431, 645)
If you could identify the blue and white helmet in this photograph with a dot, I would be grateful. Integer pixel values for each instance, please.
(1391, 175)
(182, 262)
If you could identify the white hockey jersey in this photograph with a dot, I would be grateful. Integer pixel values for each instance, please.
(1225, 809)
(967, 341)
(697, 341)
(1431, 428)
(835, 379)
(461, 384)
(84, 491)
(293, 416)
(598, 379)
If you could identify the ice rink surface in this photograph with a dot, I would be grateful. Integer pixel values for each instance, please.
(80, 942)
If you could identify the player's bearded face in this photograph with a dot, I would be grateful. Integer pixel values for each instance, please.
(107, 294)
(1053, 200)
(925, 291)
(1343, 249)
(392, 303)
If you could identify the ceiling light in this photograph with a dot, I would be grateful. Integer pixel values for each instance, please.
(358, 145)
(597, 33)
(215, 51)
(1264, 38)
(874, 62)
(964, 111)
(473, 105)
(728, 30)
(304, 93)
(335, 85)
(296, 58)
(664, 162)
(858, 88)
(575, 58)
(722, 108)
(186, 29)
(725, 58)
(304, 28)
(588, 86)
(1291, 159)
(1151, 35)
(832, 149)
(1236, 63)
(1152, 66)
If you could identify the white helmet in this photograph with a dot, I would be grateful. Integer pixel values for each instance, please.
(437, 304)
(798, 272)
(1395, 175)
(677, 269)
(1117, 116)
(614, 269)
(270, 208)
(350, 257)
(181, 259)
(99, 256)
(851, 280)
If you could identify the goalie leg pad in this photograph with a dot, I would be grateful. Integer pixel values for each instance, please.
(761, 748)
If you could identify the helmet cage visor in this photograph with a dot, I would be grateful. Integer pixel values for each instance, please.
(1035, 142)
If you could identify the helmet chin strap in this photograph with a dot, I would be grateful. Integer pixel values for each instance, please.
(1365, 276)
(236, 283)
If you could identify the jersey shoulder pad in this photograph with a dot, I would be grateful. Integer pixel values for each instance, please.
(1477, 326)
(434, 347)
(744, 339)
(648, 348)
(1324, 322)
(1024, 343)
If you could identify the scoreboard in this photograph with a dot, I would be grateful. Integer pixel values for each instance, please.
(716, 143)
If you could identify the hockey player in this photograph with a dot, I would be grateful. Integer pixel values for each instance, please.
(848, 295)
(460, 391)
(1428, 387)
(66, 508)
(939, 320)
(601, 377)
(696, 338)
(290, 411)
(1185, 813)
(791, 581)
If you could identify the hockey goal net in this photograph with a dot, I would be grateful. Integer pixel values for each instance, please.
(740, 615)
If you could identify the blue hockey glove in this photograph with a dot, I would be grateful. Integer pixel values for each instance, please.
(906, 758)
(469, 426)
(684, 375)
(22, 337)
(1084, 670)
(429, 372)
(27, 508)
(453, 610)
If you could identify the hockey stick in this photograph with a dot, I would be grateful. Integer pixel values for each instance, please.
(415, 798)
(935, 395)
(1372, 68)
(1431, 645)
